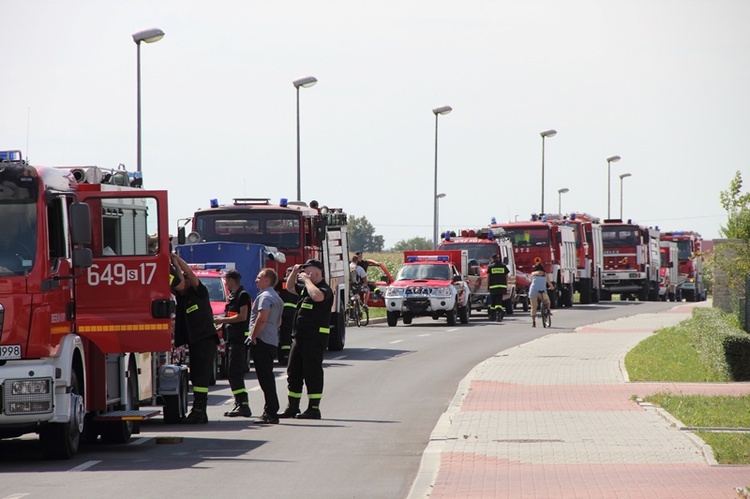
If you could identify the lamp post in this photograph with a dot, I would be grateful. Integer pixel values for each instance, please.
(307, 81)
(437, 111)
(149, 36)
(545, 134)
(611, 159)
(624, 175)
(560, 192)
(437, 203)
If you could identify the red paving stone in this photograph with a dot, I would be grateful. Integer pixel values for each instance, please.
(485, 395)
(465, 475)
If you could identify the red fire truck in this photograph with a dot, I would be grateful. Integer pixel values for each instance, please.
(430, 283)
(541, 242)
(691, 262)
(84, 304)
(631, 260)
(670, 280)
(293, 229)
(481, 245)
(589, 253)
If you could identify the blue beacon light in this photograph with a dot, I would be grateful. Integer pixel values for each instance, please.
(214, 203)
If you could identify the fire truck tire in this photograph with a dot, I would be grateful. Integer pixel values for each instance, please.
(567, 296)
(337, 337)
(391, 318)
(464, 313)
(407, 318)
(553, 298)
(596, 295)
(585, 291)
(525, 303)
(643, 293)
(119, 432)
(452, 315)
(61, 440)
(508, 304)
(176, 406)
(214, 370)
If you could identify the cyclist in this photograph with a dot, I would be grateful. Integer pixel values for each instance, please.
(540, 281)
(358, 279)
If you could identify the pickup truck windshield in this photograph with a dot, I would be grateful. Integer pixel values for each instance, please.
(424, 271)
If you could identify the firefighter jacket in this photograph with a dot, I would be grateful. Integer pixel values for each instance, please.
(497, 278)
(235, 332)
(194, 320)
(290, 302)
(313, 317)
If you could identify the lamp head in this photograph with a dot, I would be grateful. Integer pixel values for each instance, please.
(442, 110)
(563, 190)
(307, 81)
(613, 159)
(148, 35)
(625, 175)
(548, 133)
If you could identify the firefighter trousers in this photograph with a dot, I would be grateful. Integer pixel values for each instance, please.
(306, 365)
(202, 355)
(264, 356)
(236, 367)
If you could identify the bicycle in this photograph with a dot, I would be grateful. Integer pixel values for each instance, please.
(356, 313)
(543, 311)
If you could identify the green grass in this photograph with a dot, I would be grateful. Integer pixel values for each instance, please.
(693, 351)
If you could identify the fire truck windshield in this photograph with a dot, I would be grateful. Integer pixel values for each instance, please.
(619, 236)
(281, 230)
(424, 271)
(481, 252)
(528, 237)
(683, 250)
(17, 238)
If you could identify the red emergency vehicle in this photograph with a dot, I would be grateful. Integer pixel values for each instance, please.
(480, 245)
(430, 283)
(553, 245)
(691, 262)
(670, 280)
(631, 260)
(84, 305)
(296, 230)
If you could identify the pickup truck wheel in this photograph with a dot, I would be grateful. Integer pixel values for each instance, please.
(451, 314)
(464, 313)
(407, 318)
(61, 440)
(392, 318)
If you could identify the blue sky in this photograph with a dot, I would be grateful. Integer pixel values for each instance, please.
(661, 83)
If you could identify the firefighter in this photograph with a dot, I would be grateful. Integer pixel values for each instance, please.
(497, 283)
(287, 318)
(311, 332)
(194, 326)
(235, 322)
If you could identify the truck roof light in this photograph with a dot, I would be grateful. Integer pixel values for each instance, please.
(283, 202)
(447, 236)
(493, 220)
(544, 218)
(214, 203)
(472, 233)
(464, 233)
(10, 156)
(572, 216)
(428, 258)
(534, 217)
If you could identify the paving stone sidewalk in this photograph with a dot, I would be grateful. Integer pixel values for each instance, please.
(556, 418)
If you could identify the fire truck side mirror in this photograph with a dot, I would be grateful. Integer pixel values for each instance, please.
(181, 235)
(82, 258)
(80, 223)
(320, 230)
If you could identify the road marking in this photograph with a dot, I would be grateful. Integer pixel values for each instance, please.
(254, 389)
(85, 466)
(141, 440)
(396, 341)
(426, 334)
(18, 495)
(339, 357)
(451, 330)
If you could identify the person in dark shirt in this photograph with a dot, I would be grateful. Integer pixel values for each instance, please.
(194, 326)
(311, 332)
(287, 318)
(497, 284)
(236, 322)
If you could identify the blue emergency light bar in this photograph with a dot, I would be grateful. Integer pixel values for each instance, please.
(427, 258)
(214, 203)
(10, 156)
(208, 266)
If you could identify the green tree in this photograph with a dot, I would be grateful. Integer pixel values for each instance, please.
(415, 243)
(362, 235)
(734, 257)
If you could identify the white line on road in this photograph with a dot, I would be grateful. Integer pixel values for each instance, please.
(141, 440)
(86, 465)
(426, 334)
(396, 341)
(451, 330)
(18, 495)
(339, 357)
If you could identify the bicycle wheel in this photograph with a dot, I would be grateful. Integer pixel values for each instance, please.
(546, 318)
(357, 313)
(365, 316)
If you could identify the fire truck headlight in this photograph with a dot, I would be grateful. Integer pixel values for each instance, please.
(394, 292)
(30, 386)
(28, 396)
(443, 292)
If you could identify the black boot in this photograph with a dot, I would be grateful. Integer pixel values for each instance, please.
(241, 407)
(198, 413)
(291, 410)
(312, 411)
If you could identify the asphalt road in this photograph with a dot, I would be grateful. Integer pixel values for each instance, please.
(383, 396)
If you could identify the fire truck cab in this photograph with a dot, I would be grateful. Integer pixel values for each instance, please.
(670, 281)
(690, 262)
(481, 245)
(85, 305)
(631, 260)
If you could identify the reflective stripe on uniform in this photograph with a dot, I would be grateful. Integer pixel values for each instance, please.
(293, 305)
(498, 270)
(294, 395)
(306, 305)
(191, 309)
(314, 396)
(286, 347)
(324, 330)
(200, 389)
(495, 286)
(237, 392)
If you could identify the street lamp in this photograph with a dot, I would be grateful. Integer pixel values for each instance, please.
(307, 81)
(611, 159)
(624, 175)
(437, 111)
(545, 134)
(149, 36)
(437, 203)
(560, 192)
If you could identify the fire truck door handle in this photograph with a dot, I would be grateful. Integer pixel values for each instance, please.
(162, 309)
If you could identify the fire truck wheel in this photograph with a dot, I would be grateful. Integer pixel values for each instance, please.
(407, 318)
(119, 432)
(464, 313)
(643, 293)
(508, 304)
(392, 318)
(585, 291)
(567, 296)
(525, 305)
(451, 315)
(214, 370)
(61, 440)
